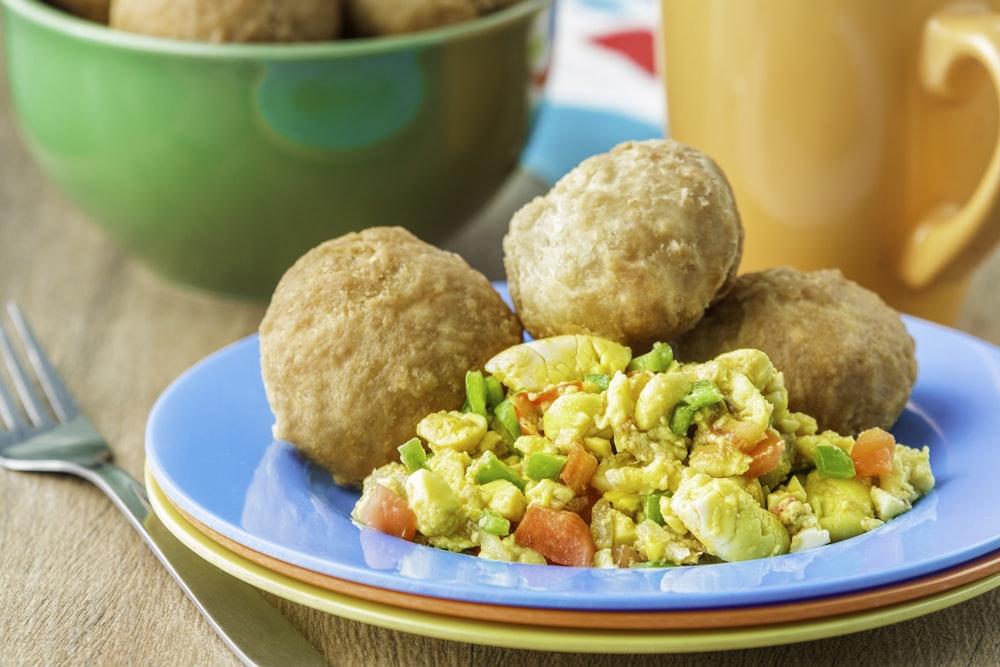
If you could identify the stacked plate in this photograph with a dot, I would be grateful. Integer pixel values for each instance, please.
(255, 508)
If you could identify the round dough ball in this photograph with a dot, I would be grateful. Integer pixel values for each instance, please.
(846, 356)
(94, 10)
(632, 245)
(373, 18)
(230, 20)
(368, 333)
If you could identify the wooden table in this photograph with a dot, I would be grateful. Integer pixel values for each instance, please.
(78, 586)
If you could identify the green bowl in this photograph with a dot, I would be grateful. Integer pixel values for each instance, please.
(219, 165)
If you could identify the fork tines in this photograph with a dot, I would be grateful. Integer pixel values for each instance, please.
(57, 396)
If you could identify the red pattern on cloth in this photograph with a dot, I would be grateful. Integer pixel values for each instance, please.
(636, 45)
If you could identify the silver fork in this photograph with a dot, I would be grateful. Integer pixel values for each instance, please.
(44, 431)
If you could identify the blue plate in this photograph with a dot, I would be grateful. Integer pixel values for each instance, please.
(209, 446)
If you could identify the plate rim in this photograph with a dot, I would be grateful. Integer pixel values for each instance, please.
(673, 619)
(577, 640)
(410, 586)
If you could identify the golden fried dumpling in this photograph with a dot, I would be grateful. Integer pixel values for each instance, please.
(372, 18)
(230, 20)
(94, 10)
(632, 245)
(368, 333)
(846, 355)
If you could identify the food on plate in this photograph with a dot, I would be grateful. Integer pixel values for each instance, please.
(632, 245)
(847, 358)
(365, 335)
(230, 20)
(569, 450)
(395, 365)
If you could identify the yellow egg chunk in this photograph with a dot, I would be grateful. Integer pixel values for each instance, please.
(572, 417)
(728, 520)
(461, 431)
(538, 364)
(843, 506)
(434, 502)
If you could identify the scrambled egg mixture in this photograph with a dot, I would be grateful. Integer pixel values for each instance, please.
(570, 451)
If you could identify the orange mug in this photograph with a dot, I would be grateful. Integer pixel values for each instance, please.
(858, 134)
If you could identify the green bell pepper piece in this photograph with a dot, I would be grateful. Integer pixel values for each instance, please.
(475, 393)
(680, 420)
(703, 394)
(412, 454)
(599, 380)
(542, 465)
(832, 461)
(489, 469)
(507, 417)
(494, 391)
(656, 360)
(651, 507)
(491, 522)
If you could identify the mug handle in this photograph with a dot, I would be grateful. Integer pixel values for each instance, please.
(944, 234)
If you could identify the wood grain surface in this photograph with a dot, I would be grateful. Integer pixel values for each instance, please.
(78, 586)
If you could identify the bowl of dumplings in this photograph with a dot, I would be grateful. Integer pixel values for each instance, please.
(216, 140)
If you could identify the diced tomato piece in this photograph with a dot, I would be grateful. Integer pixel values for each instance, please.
(872, 452)
(561, 536)
(579, 469)
(528, 416)
(386, 512)
(766, 455)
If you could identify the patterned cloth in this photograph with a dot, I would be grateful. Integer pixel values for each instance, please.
(603, 86)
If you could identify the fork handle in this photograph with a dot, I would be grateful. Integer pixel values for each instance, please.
(250, 626)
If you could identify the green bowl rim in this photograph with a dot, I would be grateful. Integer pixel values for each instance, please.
(83, 29)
